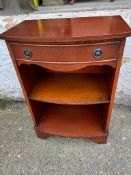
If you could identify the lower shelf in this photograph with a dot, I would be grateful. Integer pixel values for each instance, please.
(72, 121)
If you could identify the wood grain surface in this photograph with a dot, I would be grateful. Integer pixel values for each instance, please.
(71, 89)
(69, 30)
(72, 121)
(67, 53)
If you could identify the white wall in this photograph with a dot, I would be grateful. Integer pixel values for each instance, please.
(9, 86)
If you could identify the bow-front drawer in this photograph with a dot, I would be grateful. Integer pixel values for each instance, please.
(66, 53)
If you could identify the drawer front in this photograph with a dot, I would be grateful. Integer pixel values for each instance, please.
(67, 53)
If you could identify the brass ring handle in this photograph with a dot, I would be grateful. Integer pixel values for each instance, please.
(97, 53)
(27, 53)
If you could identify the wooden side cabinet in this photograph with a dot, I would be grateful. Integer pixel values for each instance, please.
(68, 70)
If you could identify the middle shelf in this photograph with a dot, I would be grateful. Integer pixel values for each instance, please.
(62, 88)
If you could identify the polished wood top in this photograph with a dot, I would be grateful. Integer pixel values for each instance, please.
(68, 29)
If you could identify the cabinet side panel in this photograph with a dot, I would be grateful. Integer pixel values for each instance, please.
(114, 86)
(32, 111)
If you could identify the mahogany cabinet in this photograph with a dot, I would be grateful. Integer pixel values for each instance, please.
(68, 70)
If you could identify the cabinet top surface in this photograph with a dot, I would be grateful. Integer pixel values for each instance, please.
(68, 29)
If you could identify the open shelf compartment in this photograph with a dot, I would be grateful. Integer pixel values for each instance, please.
(71, 120)
(74, 89)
